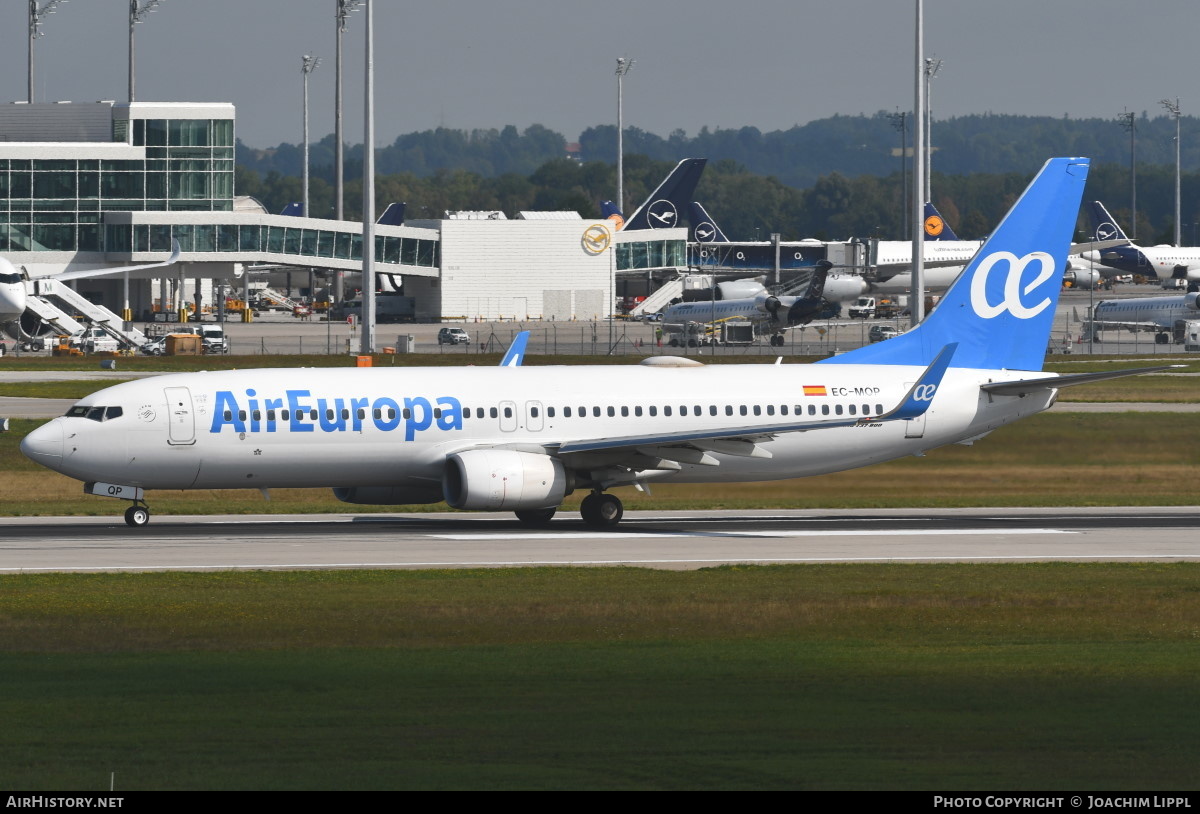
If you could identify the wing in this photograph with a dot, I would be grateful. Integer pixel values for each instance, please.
(668, 450)
(77, 275)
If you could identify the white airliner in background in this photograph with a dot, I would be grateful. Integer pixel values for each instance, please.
(1163, 262)
(523, 438)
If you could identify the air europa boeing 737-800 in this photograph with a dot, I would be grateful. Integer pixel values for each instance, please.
(523, 438)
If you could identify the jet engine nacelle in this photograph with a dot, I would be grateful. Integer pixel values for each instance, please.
(1192, 300)
(844, 287)
(386, 495)
(767, 304)
(1085, 278)
(1186, 272)
(502, 479)
(739, 289)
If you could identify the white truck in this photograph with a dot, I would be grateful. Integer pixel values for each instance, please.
(863, 308)
(95, 340)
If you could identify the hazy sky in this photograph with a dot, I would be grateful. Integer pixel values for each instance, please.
(468, 63)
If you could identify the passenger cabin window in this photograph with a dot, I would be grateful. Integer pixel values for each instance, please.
(494, 413)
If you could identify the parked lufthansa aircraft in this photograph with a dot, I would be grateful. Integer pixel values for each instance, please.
(523, 438)
(1164, 262)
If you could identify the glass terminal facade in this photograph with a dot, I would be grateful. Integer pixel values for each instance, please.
(56, 204)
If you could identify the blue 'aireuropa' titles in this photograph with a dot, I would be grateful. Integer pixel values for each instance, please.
(305, 414)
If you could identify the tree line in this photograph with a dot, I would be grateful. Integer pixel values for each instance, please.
(747, 205)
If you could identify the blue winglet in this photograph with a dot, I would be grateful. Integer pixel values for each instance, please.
(516, 351)
(921, 395)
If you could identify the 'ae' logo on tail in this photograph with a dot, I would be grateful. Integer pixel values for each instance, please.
(1014, 292)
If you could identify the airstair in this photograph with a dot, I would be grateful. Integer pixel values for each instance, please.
(659, 299)
(274, 296)
(48, 297)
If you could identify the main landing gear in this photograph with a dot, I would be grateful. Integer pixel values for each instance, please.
(137, 515)
(601, 511)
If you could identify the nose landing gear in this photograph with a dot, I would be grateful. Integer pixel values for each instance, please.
(137, 515)
(601, 511)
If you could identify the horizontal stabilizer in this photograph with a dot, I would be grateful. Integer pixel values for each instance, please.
(1053, 382)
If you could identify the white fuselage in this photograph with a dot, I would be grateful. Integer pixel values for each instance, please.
(396, 427)
(1147, 311)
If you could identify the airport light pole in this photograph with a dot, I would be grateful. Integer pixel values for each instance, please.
(138, 11)
(308, 64)
(1129, 122)
(1174, 109)
(344, 7)
(368, 213)
(932, 66)
(36, 15)
(917, 292)
(900, 122)
(623, 66)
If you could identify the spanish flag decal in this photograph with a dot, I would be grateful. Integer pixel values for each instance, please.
(815, 390)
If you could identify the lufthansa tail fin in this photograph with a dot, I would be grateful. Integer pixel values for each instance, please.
(704, 228)
(936, 227)
(1104, 225)
(1001, 308)
(664, 208)
(393, 215)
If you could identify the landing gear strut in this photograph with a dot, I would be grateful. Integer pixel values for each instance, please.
(601, 511)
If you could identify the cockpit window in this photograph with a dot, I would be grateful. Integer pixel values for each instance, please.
(10, 278)
(95, 413)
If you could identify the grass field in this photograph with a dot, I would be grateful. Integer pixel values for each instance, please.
(808, 677)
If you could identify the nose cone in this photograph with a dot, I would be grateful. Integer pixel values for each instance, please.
(45, 444)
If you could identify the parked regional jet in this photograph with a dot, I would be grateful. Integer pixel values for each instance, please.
(523, 438)
(768, 314)
(1160, 315)
(1164, 262)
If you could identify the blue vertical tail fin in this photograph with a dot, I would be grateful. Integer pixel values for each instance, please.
(704, 228)
(1001, 308)
(393, 215)
(664, 208)
(936, 227)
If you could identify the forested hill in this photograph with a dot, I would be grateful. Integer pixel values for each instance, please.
(847, 145)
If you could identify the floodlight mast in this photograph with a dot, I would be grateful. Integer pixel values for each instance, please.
(368, 215)
(917, 295)
(36, 15)
(1174, 109)
(138, 12)
(308, 64)
(932, 66)
(623, 66)
(900, 122)
(1129, 122)
(344, 7)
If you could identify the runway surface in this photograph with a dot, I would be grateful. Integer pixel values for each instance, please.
(672, 540)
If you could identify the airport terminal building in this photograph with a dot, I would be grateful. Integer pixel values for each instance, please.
(104, 184)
